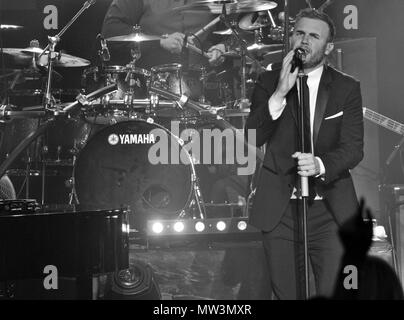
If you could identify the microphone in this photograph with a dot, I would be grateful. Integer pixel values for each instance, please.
(104, 52)
(205, 28)
(89, 3)
(297, 61)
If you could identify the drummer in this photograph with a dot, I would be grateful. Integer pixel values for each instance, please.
(156, 17)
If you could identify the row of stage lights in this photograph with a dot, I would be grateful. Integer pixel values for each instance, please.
(199, 226)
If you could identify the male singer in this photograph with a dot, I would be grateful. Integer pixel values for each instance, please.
(335, 144)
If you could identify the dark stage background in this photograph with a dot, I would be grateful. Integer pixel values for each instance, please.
(369, 33)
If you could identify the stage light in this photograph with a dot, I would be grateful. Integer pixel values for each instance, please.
(179, 226)
(221, 226)
(242, 225)
(157, 227)
(199, 226)
(232, 228)
(125, 228)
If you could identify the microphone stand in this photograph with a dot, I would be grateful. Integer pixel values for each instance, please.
(304, 181)
(286, 28)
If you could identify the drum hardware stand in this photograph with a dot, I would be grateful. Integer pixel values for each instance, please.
(27, 175)
(198, 196)
(136, 55)
(252, 184)
(151, 107)
(286, 28)
(43, 181)
(52, 56)
(392, 207)
(244, 101)
(71, 183)
(203, 78)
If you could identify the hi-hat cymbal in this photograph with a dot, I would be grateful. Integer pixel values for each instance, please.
(9, 27)
(232, 6)
(254, 21)
(134, 37)
(25, 55)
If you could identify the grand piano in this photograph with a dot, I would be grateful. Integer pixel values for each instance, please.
(81, 242)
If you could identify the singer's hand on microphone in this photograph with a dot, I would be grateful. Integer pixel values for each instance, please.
(286, 79)
(307, 164)
(173, 42)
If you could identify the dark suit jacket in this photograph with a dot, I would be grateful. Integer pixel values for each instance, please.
(338, 142)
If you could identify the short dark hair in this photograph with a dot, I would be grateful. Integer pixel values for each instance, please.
(319, 15)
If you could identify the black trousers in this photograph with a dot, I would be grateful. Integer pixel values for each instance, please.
(284, 251)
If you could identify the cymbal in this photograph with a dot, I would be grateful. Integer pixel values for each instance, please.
(257, 47)
(65, 60)
(9, 27)
(232, 6)
(254, 21)
(134, 37)
(226, 32)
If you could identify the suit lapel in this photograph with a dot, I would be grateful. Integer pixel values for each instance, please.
(321, 104)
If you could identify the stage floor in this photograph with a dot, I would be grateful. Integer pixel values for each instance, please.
(221, 271)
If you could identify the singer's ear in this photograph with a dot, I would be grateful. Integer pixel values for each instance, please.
(329, 47)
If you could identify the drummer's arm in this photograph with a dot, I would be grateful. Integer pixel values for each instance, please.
(216, 51)
(121, 16)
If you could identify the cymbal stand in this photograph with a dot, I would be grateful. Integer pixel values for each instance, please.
(286, 28)
(244, 101)
(203, 78)
(50, 51)
(136, 55)
(73, 198)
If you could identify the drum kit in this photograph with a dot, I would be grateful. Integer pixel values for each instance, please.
(43, 129)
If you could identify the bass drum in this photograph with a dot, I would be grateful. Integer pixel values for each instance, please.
(116, 167)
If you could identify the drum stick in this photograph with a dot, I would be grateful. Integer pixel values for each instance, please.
(197, 50)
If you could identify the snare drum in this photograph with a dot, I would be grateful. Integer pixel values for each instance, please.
(131, 81)
(173, 78)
